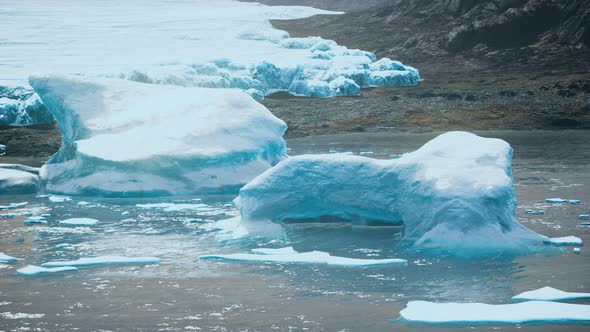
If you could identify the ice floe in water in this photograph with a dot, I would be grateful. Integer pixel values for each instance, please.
(555, 200)
(105, 260)
(7, 259)
(122, 138)
(436, 192)
(564, 241)
(15, 181)
(79, 222)
(31, 270)
(549, 294)
(288, 255)
(481, 313)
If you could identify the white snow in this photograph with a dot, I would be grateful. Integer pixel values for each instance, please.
(31, 270)
(105, 260)
(481, 313)
(564, 241)
(7, 259)
(127, 138)
(437, 192)
(79, 222)
(14, 181)
(549, 294)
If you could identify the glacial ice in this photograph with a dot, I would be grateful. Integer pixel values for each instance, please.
(7, 259)
(564, 241)
(105, 260)
(312, 257)
(481, 313)
(437, 192)
(555, 200)
(31, 270)
(122, 138)
(14, 181)
(79, 222)
(549, 294)
(20, 106)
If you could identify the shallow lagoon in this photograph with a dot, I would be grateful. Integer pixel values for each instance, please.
(183, 293)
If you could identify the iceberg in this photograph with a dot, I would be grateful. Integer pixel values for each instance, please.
(7, 259)
(481, 313)
(312, 257)
(549, 294)
(31, 270)
(105, 260)
(122, 138)
(79, 222)
(15, 181)
(437, 193)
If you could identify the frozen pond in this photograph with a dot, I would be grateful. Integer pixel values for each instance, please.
(184, 293)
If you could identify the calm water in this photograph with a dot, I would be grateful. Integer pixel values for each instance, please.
(185, 294)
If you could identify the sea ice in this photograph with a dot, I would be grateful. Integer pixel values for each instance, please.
(312, 257)
(35, 220)
(481, 313)
(584, 216)
(575, 201)
(549, 294)
(577, 251)
(278, 251)
(14, 181)
(7, 259)
(31, 270)
(564, 241)
(437, 192)
(192, 140)
(79, 222)
(8, 215)
(555, 200)
(105, 260)
(59, 199)
(534, 212)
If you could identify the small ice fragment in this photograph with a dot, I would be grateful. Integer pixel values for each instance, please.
(366, 153)
(45, 215)
(577, 251)
(348, 153)
(564, 241)
(332, 151)
(35, 220)
(585, 224)
(535, 212)
(109, 231)
(279, 251)
(584, 216)
(7, 259)
(63, 245)
(31, 270)
(481, 313)
(8, 215)
(124, 213)
(83, 203)
(79, 222)
(26, 214)
(549, 294)
(105, 260)
(312, 257)
(196, 221)
(575, 201)
(555, 200)
(59, 199)
(17, 205)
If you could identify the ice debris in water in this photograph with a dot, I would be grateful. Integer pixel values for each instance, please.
(564, 241)
(534, 212)
(15, 182)
(555, 200)
(549, 294)
(575, 201)
(105, 260)
(79, 222)
(288, 255)
(31, 270)
(7, 259)
(35, 220)
(584, 216)
(8, 215)
(172, 207)
(193, 140)
(577, 251)
(58, 199)
(481, 313)
(436, 192)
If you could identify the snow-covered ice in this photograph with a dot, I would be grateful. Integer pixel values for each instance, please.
(271, 251)
(481, 313)
(14, 181)
(312, 257)
(555, 200)
(7, 259)
(79, 222)
(8, 215)
(31, 270)
(105, 260)
(584, 216)
(577, 251)
(534, 212)
(58, 199)
(575, 201)
(436, 192)
(549, 294)
(564, 241)
(122, 138)
(35, 220)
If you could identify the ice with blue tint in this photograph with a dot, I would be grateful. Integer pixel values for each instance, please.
(555, 200)
(7, 259)
(437, 192)
(31, 270)
(489, 314)
(564, 241)
(223, 44)
(549, 294)
(123, 138)
(313, 257)
(274, 251)
(105, 260)
(15, 181)
(79, 222)
(584, 216)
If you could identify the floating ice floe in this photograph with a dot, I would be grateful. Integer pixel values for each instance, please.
(58, 199)
(549, 294)
(79, 222)
(436, 192)
(8, 215)
(14, 181)
(577, 251)
(31, 270)
(7, 259)
(105, 260)
(575, 201)
(288, 255)
(584, 216)
(193, 140)
(564, 241)
(534, 212)
(481, 313)
(35, 220)
(172, 207)
(555, 200)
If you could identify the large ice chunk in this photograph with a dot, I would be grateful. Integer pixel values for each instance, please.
(550, 294)
(31, 270)
(15, 181)
(105, 260)
(20, 106)
(127, 138)
(456, 192)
